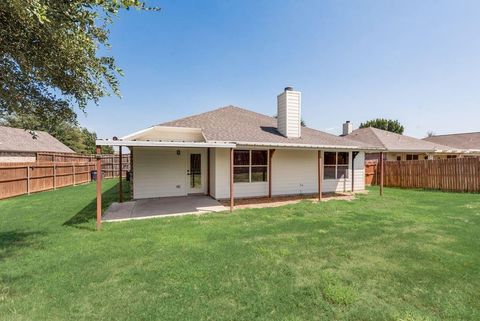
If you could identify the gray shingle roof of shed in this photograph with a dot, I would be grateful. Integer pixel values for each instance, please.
(234, 124)
(21, 140)
(461, 140)
(392, 141)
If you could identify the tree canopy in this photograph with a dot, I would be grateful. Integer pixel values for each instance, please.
(390, 125)
(49, 55)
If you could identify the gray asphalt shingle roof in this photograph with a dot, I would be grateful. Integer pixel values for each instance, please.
(392, 141)
(21, 140)
(461, 140)
(234, 124)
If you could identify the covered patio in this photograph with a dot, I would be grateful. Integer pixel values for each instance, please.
(206, 202)
(162, 207)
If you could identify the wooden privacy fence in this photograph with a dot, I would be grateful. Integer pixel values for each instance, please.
(25, 178)
(110, 163)
(453, 175)
(371, 173)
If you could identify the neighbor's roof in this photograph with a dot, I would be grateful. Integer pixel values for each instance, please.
(462, 140)
(241, 126)
(394, 142)
(21, 140)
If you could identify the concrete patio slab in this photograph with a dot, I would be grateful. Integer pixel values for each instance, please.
(162, 207)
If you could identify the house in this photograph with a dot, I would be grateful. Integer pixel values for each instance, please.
(399, 147)
(20, 145)
(470, 142)
(231, 152)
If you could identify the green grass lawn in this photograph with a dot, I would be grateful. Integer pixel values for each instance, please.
(411, 255)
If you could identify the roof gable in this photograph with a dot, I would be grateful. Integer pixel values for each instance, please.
(460, 140)
(394, 142)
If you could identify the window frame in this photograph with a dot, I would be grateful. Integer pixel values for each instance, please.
(250, 165)
(337, 165)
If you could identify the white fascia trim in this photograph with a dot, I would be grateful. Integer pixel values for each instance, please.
(136, 133)
(307, 146)
(172, 128)
(134, 143)
(427, 151)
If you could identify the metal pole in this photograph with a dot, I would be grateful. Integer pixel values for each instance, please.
(382, 165)
(320, 175)
(270, 157)
(120, 190)
(99, 187)
(231, 180)
(208, 171)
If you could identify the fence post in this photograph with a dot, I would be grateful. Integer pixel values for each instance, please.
(382, 169)
(54, 176)
(28, 180)
(73, 169)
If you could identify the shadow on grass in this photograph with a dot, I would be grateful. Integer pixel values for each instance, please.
(89, 212)
(11, 241)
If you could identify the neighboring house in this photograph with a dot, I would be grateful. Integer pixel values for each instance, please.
(399, 147)
(232, 152)
(20, 145)
(470, 142)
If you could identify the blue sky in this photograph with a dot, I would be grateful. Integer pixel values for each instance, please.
(415, 61)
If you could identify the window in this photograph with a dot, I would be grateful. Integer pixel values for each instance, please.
(412, 157)
(451, 156)
(336, 165)
(250, 166)
(399, 158)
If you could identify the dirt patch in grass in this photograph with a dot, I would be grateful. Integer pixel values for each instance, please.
(262, 202)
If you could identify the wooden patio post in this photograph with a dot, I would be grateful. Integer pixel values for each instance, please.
(120, 187)
(382, 165)
(270, 156)
(231, 180)
(131, 172)
(320, 175)
(99, 187)
(208, 171)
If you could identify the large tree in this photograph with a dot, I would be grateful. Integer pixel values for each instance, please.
(390, 125)
(49, 55)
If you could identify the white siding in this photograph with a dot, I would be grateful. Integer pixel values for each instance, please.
(212, 172)
(158, 172)
(293, 171)
(345, 185)
(221, 175)
(359, 172)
